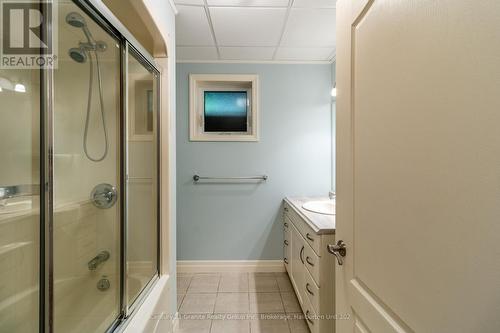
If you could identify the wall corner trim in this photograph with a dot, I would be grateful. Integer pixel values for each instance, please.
(230, 266)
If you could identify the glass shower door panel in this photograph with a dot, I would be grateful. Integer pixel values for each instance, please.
(142, 194)
(86, 227)
(19, 199)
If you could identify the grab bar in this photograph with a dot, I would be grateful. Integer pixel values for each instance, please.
(197, 178)
(24, 190)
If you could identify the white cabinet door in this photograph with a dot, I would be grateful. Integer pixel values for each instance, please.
(287, 245)
(418, 165)
(298, 268)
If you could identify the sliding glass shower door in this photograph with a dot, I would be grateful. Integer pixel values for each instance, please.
(86, 173)
(19, 200)
(79, 214)
(142, 174)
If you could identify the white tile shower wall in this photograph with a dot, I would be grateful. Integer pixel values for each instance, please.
(75, 174)
(81, 231)
(19, 272)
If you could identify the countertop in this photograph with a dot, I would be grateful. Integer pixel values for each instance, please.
(320, 223)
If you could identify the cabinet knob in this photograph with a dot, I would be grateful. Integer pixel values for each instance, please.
(309, 290)
(309, 261)
(308, 236)
(308, 317)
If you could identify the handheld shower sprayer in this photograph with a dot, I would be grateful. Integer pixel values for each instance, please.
(80, 54)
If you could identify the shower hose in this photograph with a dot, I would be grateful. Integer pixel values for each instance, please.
(89, 107)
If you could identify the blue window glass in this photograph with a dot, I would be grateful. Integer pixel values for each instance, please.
(225, 111)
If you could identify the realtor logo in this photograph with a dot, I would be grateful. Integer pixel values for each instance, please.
(25, 42)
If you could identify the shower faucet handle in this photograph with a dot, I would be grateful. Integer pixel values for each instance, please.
(103, 196)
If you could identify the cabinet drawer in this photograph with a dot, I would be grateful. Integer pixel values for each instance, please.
(286, 223)
(312, 319)
(312, 291)
(311, 261)
(310, 236)
(304, 229)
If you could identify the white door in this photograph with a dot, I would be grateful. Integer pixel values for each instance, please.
(418, 155)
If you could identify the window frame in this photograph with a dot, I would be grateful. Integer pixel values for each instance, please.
(199, 83)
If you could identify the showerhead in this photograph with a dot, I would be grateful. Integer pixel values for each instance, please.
(76, 20)
(78, 54)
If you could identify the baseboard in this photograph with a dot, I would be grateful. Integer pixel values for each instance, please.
(236, 266)
(175, 322)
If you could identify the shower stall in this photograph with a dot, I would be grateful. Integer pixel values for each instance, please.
(79, 182)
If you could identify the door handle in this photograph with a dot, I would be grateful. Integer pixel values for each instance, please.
(338, 250)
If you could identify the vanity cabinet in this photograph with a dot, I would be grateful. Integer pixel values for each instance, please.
(311, 269)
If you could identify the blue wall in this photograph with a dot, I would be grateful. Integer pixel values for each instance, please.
(241, 222)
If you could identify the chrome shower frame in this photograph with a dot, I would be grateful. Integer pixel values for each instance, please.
(105, 18)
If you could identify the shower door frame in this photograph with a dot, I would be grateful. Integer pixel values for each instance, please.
(108, 22)
(131, 50)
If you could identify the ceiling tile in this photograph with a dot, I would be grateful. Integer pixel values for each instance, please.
(310, 27)
(192, 28)
(246, 53)
(196, 53)
(190, 2)
(304, 53)
(249, 3)
(314, 3)
(247, 26)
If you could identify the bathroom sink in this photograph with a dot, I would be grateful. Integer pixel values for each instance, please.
(320, 207)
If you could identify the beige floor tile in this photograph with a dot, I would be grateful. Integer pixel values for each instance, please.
(290, 302)
(185, 274)
(183, 284)
(180, 297)
(230, 326)
(198, 303)
(269, 323)
(284, 283)
(232, 303)
(193, 326)
(262, 283)
(298, 326)
(204, 283)
(266, 303)
(233, 283)
(261, 274)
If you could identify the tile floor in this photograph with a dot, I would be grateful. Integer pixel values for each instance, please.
(238, 303)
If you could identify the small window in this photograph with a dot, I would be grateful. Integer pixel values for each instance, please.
(223, 108)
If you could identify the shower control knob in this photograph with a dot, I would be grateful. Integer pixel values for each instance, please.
(103, 196)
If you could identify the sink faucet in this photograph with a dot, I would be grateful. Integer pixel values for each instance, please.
(331, 195)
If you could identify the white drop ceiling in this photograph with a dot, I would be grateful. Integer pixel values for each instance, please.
(255, 30)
